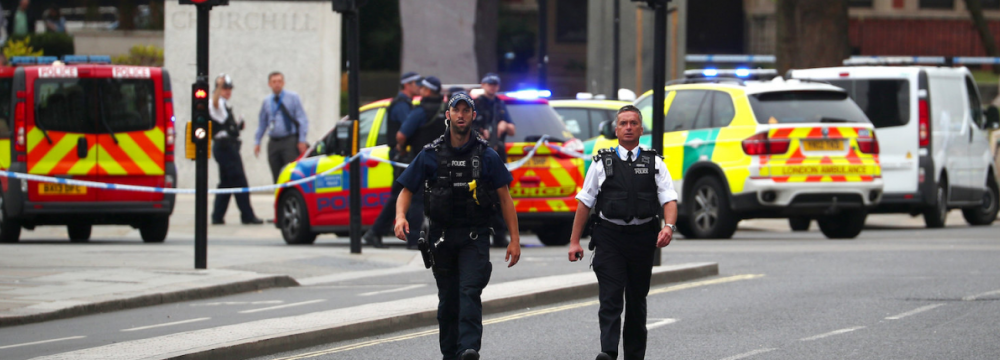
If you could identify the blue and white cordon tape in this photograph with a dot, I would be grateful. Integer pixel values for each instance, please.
(268, 188)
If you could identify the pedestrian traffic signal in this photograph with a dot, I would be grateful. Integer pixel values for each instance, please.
(205, 2)
(199, 109)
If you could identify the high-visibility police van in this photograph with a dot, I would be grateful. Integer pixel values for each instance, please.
(85, 119)
(934, 131)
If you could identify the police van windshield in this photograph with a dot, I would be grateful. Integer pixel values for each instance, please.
(95, 105)
(885, 101)
(534, 120)
(788, 107)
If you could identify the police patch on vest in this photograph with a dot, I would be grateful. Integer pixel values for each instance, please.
(640, 171)
(458, 163)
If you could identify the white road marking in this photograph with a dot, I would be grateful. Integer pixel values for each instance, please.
(914, 311)
(393, 290)
(167, 324)
(282, 306)
(832, 333)
(977, 296)
(264, 302)
(749, 354)
(661, 322)
(42, 342)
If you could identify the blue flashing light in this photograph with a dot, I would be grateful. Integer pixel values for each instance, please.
(75, 59)
(100, 59)
(529, 94)
(742, 72)
(23, 60)
(710, 72)
(45, 60)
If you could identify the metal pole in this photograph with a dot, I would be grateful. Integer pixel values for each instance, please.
(353, 102)
(543, 41)
(201, 154)
(615, 54)
(659, 81)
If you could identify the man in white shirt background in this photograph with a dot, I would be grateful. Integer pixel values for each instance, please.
(226, 151)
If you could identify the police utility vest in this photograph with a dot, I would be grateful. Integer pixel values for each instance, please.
(230, 126)
(433, 126)
(458, 195)
(393, 126)
(629, 190)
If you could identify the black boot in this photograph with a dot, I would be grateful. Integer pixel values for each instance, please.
(469, 355)
(374, 240)
(604, 356)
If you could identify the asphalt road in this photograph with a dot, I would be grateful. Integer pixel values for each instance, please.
(907, 293)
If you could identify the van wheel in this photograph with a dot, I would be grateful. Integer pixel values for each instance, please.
(293, 219)
(799, 223)
(985, 213)
(155, 230)
(79, 232)
(845, 225)
(710, 215)
(10, 229)
(557, 234)
(935, 216)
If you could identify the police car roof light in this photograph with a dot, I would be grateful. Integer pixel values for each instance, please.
(529, 94)
(100, 59)
(23, 60)
(742, 73)
(584, 96)
(894, 60)
(46, 60)
(75, 59)
(710, 73)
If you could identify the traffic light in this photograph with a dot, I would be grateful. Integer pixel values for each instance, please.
(199, 111)
(205, 2)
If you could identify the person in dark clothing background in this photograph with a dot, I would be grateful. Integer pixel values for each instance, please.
(422, 126)
(494, 124)
(226, 151)
(629, 187)
(22, 20)
(399, 109)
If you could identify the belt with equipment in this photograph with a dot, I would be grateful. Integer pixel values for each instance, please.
(652, 225)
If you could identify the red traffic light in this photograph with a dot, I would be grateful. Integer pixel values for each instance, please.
(201, 93)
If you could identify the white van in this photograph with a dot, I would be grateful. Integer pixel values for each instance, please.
(933, 135)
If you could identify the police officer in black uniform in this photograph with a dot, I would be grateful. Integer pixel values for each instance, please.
(399, 109)
(630, 186)
(424, 124)
(465, 183)
(226, 151)
(494, 124)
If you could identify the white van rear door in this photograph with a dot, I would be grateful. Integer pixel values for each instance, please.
(949, 126)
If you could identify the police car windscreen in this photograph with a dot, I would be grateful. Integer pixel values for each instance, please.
(534, 120)
(885, 101)
(789, 107)
(95, 105)
(5, 92)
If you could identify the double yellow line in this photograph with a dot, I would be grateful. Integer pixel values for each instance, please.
(517, 316)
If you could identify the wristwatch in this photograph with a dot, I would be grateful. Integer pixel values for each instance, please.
(672, 227)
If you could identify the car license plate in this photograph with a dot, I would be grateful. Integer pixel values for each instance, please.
(538, 161)
(61, 189)
(823, 145)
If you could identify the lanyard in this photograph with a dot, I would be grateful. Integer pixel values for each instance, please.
(277, 105)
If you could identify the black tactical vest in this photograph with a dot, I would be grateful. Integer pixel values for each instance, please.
(230, 126)
(432, 127)
(450, 200)
(629, 190)
(393, 127)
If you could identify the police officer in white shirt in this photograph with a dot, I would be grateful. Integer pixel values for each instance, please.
(226, 151)
(630, 188)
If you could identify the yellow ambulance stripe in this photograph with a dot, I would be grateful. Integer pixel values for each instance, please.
(55, 155)
(557, 205)
(729, 155)
(138, 156)
(82, 167)
(4, 154)
(562, 176)
(109, 166)
(157, 137)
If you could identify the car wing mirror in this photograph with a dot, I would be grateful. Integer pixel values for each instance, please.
(608, 129)
(992, 117)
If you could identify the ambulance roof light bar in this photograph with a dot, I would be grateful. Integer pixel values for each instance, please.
(741, 73)
(895, 60)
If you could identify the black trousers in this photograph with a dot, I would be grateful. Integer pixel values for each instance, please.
(462, 269)
(623, 263)
(231, 175)
(280, 152)
(414, 215)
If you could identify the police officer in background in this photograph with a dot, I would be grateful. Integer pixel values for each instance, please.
(399, 109)
(494, 124)
(422, 126)
(465, 183)
(226, 151)
(630, 186)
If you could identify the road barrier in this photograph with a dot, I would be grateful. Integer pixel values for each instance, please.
(363, 155)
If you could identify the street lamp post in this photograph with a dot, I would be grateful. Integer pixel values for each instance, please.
(349, 10)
